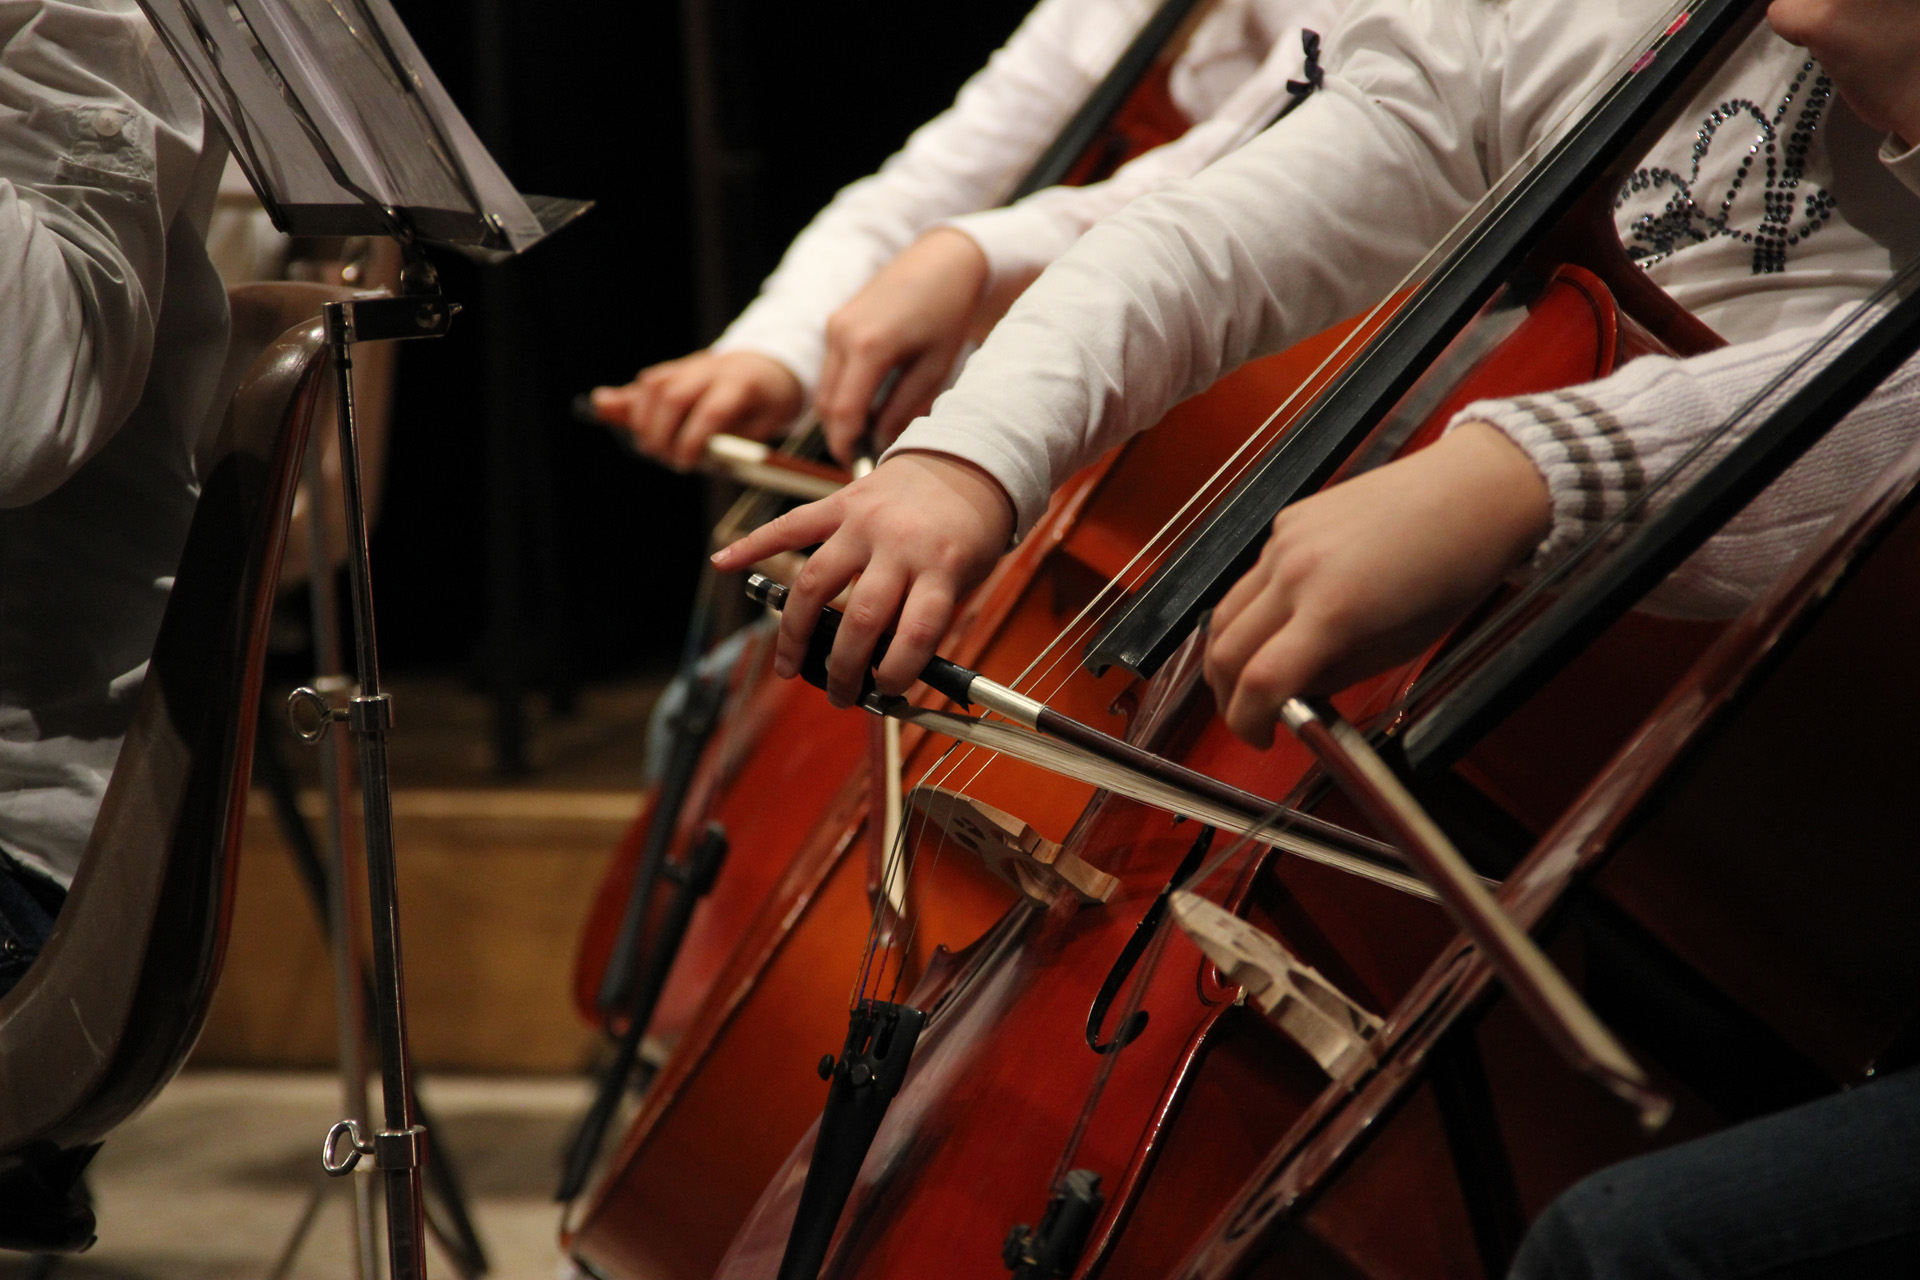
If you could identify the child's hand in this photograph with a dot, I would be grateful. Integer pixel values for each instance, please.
(1871, 49)
(674, 408)
(912, 316)
(1370, 572)
(918, 534)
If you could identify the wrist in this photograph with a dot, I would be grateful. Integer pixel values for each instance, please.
(1510, 492)
(971, 481)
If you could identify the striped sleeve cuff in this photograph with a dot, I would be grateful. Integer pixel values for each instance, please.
(1591, 463)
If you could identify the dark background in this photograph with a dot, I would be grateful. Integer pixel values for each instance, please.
(518, 547)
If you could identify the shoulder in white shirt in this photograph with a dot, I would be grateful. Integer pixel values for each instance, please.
(114, 334)
(959, 167)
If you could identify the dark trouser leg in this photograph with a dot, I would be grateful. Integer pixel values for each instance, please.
(43, 1205)
(28, 904)
(1830, 1190)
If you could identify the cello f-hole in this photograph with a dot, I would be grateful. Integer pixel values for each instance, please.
(1130, 954)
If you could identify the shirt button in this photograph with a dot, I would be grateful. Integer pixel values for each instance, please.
(107, 124)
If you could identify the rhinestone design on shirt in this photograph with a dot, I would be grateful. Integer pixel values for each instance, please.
(1776, 158)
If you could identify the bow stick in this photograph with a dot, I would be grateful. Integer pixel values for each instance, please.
(1573, 1029)
(748, 462)
(1043, 737)
(1541, 990)
(886, 763)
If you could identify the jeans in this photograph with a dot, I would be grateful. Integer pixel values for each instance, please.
(28, 904)
(1830, 1190)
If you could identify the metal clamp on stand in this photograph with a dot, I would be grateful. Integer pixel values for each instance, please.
(311, 712)
(389, 1150)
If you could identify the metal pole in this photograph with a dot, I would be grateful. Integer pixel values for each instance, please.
(349, 1012)
(712, 294)
(508, 529)
(399, 1149)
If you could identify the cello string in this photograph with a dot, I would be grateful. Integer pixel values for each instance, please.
(1281, 815)
(1236, 465)
(961, 754)
(913, 897)
(875, 919)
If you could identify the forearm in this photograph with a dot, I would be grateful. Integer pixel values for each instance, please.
(1020, 240)
(966, 159)
(1305, 225)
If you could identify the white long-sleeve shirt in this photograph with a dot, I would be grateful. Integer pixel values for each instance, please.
(1765, 210)
(113, 331)
(1603, 445)
(1230, 79)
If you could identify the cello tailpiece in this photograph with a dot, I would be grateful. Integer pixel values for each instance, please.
(1051, 1250)
(861, 1086)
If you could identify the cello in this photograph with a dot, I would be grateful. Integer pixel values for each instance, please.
(749, 762)
(877, 1235)
(1129, 112)
(709, 1134)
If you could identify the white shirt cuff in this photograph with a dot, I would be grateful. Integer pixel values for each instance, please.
(1902, 161)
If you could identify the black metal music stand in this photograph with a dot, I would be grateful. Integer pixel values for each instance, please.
(344, 130)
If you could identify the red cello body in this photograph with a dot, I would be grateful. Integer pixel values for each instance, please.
(767, 795)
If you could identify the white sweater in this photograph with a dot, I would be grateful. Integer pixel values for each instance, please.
(1230, 78)
(1426, 103)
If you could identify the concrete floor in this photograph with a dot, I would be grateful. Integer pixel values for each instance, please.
(210, 1182)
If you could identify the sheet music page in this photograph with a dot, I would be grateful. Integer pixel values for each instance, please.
(329, 105)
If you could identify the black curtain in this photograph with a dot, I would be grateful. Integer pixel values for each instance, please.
(586, 98)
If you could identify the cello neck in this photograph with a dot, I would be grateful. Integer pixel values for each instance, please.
(1625, 121)
(1108, 98)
